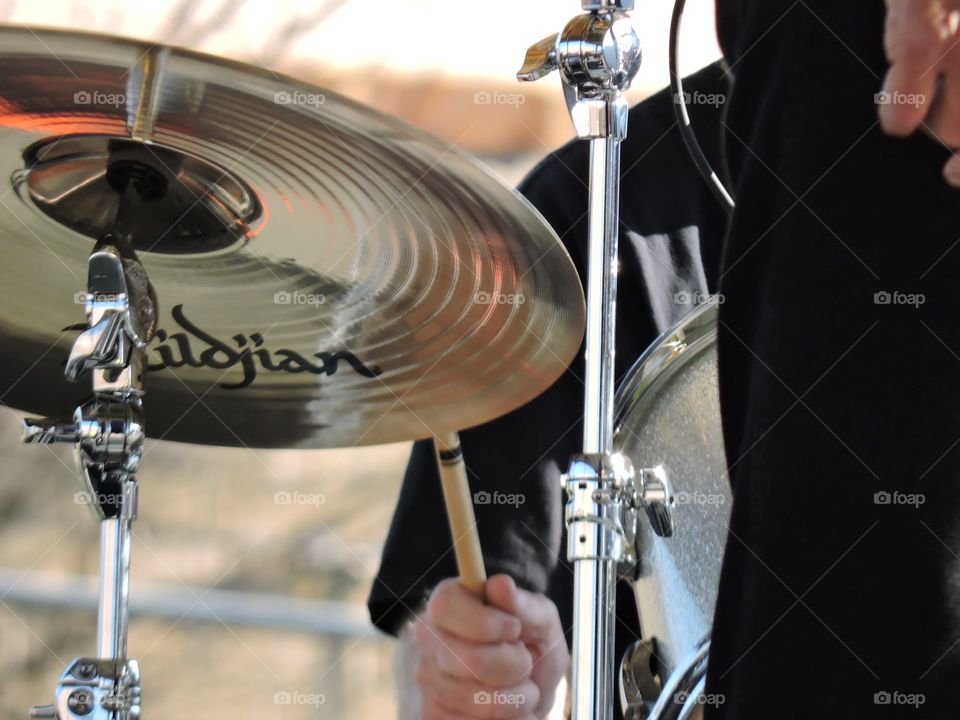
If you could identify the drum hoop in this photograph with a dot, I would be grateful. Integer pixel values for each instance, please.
(674, 349)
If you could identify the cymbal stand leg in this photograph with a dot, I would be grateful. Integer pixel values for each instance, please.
(597, 54)
(107, 433)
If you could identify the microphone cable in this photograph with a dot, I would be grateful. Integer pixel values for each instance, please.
(683, 118)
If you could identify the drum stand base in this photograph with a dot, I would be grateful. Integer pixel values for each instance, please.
(95, 690)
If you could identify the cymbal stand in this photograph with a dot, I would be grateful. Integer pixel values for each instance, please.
(107, 433)
(597, 55)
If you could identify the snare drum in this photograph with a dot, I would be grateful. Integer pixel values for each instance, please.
(668, 414)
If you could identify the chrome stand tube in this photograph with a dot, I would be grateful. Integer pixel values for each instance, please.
(594, 568)
(597, 54)
(114, 589)
(601, 295)
(594, 611)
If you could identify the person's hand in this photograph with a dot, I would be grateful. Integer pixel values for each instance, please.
(923, 84)
(502, 659)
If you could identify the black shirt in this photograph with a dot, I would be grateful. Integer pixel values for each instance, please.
(671, 230)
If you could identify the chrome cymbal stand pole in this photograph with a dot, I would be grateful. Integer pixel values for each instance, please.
(597, 54)
(108, 434)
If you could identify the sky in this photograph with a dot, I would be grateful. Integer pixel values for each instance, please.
(481, 39)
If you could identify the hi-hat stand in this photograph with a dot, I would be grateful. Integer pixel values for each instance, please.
(107, 433)
(598, 54)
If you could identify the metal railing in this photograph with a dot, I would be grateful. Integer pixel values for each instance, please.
(158, 600)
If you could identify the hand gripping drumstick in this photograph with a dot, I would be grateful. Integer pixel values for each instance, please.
(463, 523)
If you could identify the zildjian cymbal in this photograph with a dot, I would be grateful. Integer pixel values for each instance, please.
(327, 275)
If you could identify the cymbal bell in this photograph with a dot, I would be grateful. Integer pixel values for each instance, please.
(327, 275)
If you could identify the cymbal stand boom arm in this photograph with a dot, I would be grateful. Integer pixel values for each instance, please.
(597, 54)
(107, 433)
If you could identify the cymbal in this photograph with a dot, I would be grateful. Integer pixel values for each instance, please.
(327, 275)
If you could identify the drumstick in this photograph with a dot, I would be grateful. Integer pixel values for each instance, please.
(463, 523)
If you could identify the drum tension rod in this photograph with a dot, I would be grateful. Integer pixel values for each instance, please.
(597, 55)
(107, 433)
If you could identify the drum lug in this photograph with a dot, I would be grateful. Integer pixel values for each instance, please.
(638, 684)
(629, 566)
(657, 499)
(682, 695)
(651, 490)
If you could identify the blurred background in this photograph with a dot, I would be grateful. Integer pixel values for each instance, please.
(250, 567)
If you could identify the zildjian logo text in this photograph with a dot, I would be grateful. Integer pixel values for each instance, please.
(175, 350)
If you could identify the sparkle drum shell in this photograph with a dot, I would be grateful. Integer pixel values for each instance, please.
(668, 413)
